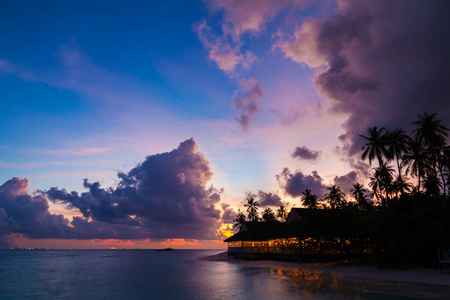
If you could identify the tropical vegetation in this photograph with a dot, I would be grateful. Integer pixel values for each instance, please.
(404, 214)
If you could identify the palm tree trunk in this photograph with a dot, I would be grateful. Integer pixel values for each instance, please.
(398, 166)
(443, 178)
(380, 161)
(418, 186)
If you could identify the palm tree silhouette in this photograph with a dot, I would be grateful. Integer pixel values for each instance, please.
(402, 185)
(375, 146)
(431, 183)
(382, 182)
(335, 197)
(417, 160)
(397, 142)
(359, 192)
(240, 219)
(432, 133)
(429, 129)
(308, 199)
(441, 150)
(282, 213)
(268, 215)
(252, 209)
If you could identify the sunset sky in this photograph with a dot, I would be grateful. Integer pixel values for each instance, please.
(162, 115)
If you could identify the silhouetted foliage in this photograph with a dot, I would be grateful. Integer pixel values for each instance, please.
(308, 199)
(252, 209)
(282, 213)
(406, 223)
(268, 215)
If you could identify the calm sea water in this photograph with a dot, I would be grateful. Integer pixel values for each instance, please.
(148, 274)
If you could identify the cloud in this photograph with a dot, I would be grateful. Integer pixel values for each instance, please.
(229, 214)
(223, 50)
(167, 194)
(246, 102)
(23, 213)
(379, 62)
(237, 17)
(306, 154)
(248, 15)
(269, 199)
(295, 184)
(346, 181)
(164, 197)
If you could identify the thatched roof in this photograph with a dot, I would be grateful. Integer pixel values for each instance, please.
(259, 231)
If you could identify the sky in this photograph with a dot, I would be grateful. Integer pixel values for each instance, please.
(146, 124)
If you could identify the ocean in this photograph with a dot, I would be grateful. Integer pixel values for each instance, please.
(179, 274)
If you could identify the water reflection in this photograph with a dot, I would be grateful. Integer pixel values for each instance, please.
(310, 283)
(180, 275)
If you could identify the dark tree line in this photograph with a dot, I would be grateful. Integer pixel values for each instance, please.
(424, 155)
(404, 217)
(252, 213)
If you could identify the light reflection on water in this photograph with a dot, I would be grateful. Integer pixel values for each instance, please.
(146, 274)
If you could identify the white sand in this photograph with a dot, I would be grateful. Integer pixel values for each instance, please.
(423, 275)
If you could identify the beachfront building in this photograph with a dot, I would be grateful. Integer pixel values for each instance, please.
(258, 240)
(266, 239)
(306, 232)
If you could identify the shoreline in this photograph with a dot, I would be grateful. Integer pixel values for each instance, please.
(421, 275)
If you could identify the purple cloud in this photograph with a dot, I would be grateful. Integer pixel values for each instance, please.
(27, 214)
(295, 184)
(346, 182)
(269, 199)
(229, 214)
(247, 102)
(306, 154)
(380, 62)
(166, 196)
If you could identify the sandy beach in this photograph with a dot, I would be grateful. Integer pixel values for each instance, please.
(423, 275)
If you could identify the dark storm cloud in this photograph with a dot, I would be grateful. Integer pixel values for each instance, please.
(166, 196)
(305, 153)
(295, 184)
(247, 102)
(383, 62)
(23, 213)
(269, 199)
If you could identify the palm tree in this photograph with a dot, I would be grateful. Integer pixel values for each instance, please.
(387, 179)
(431, 183)
(376, 184)
(417, 160)
(268, 215)
(397, 142)
(446, 164)
(429, 129)
(402, 185)
(382, 182)
(441, 151)
(335, 197)
(252, 209)
(432, 133)
(359, 192)
(375, 146)
(309, 200)
(282, 213)
(240, 219)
